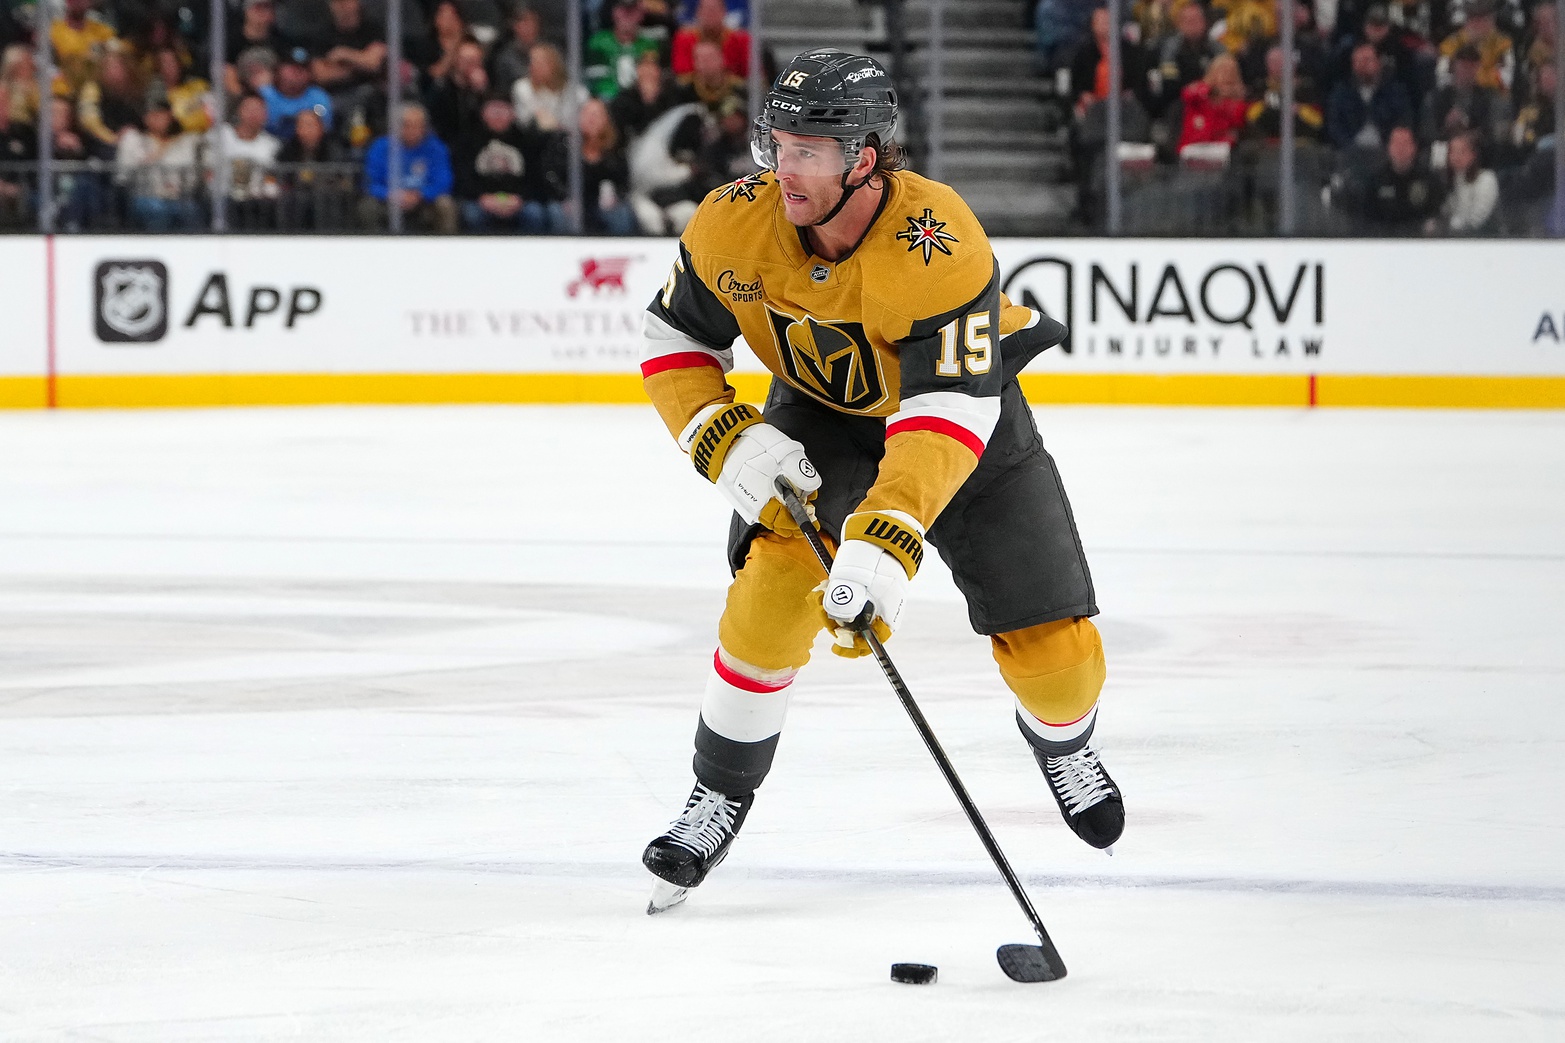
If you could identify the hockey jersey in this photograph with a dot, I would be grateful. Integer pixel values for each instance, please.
(910, 326)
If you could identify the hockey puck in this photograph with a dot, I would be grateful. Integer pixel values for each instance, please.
(914, 973)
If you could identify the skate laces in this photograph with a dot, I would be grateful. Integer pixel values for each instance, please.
(708, 820)
(1079, 779)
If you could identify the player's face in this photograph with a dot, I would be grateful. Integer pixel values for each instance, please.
(809, 170)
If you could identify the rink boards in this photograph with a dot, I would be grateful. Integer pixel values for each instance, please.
(207, 320)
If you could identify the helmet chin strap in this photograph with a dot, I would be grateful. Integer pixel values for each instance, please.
(847, 192)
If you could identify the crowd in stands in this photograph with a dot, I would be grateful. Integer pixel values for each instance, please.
(1421, 116)
(661, 109)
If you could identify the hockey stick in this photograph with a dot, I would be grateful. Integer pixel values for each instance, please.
(1020, 962)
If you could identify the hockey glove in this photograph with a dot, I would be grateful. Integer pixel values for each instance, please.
(880, 553)
(732, 447)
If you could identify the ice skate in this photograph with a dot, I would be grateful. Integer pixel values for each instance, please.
(694, 845)
(1089, 800)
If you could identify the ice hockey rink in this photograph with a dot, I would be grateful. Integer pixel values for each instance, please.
(351, 723)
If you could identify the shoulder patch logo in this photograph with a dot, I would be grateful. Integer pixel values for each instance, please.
(928, 233)
(744, 187)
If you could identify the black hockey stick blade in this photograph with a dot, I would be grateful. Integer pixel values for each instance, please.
(1028, 963)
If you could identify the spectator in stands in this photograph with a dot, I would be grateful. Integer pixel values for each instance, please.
(250, 153)
(78, 194)
(351, 57)
(1537, 46)
(158, 167)
(605, 175)
(450, 33)
(1403, 195)
(79, 41)
(653, 94)
(736, 17)
(311, 142)
(1463, 105)
(312, 198)
(255, 69)
(1264, 117)
(187, 95)
(152, 36)
(1184, 55)
(18, 144)
(256, 32)
(711, 82)
(456, 106)
(508, 179)
(711, 27)
(1398, 61)
(1496, 55)
(1155, 22)
(1536, 119)
(1061, 28)
(664, 187)
(1312, 66)
(612, 54)
(1243, 22)
(1090, 67)
(423, 192)
(1473, 193)
(1361, 113)
(544, 99)
(725, 155)
(367, 122)
(292, 94)
(111, 104)
(510, 60)
(1214, 106)
(19, 76)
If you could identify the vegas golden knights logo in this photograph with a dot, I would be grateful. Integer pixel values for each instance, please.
(830, 359)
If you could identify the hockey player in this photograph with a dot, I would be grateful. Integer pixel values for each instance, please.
(873, 297)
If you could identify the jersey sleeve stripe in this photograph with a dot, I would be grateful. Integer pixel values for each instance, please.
(948, 412)
(939, 426)
(679, 360)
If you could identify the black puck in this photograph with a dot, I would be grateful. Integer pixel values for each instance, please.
(914, 973)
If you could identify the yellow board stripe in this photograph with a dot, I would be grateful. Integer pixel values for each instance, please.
(1225, 389)
(23, 392)
(278, 389)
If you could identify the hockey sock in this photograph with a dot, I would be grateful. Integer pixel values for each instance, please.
(741, 721)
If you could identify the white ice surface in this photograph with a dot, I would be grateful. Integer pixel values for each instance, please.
(350, 724)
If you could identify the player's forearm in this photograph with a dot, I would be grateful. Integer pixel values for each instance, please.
(682, 376)
(919, 475)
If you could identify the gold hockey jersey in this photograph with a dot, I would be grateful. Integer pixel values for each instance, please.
(907, 326)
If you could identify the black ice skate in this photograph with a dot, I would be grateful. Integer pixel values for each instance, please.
(1089, 800)
(694, 845)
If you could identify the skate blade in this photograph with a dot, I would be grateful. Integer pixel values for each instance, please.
(665, 896)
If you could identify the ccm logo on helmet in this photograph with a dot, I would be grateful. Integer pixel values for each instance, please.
(786, 106)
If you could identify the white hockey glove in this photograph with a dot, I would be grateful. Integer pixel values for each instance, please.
(732, 447)
(880, 553)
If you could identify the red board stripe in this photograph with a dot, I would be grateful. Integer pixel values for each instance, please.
(678, 360)
(939, 426)
(748, 684)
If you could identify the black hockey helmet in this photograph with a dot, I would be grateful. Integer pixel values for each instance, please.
(827, 93)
